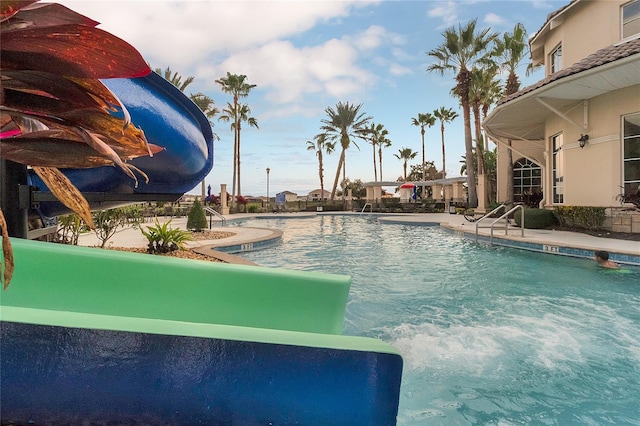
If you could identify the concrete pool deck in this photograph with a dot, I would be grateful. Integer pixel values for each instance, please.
(573, 244)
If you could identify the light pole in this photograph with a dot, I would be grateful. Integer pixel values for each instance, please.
(268, 200)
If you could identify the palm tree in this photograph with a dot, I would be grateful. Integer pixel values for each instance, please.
(175, 78)
(344, 123)
(509, 52)
(375, 134)
(422, 121)
(321, 144)
(383, 142)
(484, 90)
(405, 154)
(459, 52)
(445, 115)
(236, 86)
(243, 116)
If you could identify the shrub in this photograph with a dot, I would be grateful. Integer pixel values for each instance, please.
(107, 223)
(163, 239)
(535, 218)
(580, 216)
(252, 208)
(197, 220)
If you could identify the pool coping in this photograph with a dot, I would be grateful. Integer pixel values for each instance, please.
(246, 239)
(584, 251)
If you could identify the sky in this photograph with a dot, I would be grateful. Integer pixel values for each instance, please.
(306, 56)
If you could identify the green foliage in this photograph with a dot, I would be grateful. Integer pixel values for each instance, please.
(580, 216)
(535, 218)
(69, 228)
(252, 208)
(164, 239)
(197, 219)
(107, 223)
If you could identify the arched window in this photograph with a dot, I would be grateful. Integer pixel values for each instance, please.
(527, 182)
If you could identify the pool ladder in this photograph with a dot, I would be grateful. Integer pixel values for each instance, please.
(505, 216)
(213, 213)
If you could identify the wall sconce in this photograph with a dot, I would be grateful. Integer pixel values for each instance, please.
(583, 140)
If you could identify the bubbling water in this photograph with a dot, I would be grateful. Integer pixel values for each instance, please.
(488, 335)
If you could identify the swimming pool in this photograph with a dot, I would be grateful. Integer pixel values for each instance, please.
(488, 335)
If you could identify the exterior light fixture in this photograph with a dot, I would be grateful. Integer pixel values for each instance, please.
(583, 140)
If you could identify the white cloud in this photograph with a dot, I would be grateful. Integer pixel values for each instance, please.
(399, 70)
(447, 11)
(375, 36)
(493, 19)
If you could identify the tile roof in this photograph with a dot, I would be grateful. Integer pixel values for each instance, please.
(601, 57)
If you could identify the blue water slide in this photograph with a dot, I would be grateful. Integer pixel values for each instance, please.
(169, 119)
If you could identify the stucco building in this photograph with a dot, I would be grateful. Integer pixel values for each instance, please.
(575, 135)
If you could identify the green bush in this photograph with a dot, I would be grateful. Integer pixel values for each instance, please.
(197, 220)
(580, 216)
(535, 218)
(252, 208)
(163, 239)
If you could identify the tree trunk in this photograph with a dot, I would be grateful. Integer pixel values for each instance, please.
(235, 171)
(468, 144)
(380, 157)
(239, 191)
(479, 139)
(423, 168)
(375, 170)
(335, 182)
(444, 167)
(320, 172)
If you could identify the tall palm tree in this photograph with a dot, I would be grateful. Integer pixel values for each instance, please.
(344, 122)
(375, 134)
(321, 144)
(243, 116)
(484, 89)
(509, 52)
(383, 142)
(422, 121)
(405, 154)
(459, 52)
(445, 115)
(237, 86)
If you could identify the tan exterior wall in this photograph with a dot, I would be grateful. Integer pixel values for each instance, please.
(578, 39)
(593, 174)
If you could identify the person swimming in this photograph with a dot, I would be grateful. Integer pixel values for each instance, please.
(602, 257)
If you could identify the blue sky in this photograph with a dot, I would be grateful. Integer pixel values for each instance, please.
(305, 56)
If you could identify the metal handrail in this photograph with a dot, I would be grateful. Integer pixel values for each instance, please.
(488, 215)
(365, 206)
(506, 228)
(212, 213)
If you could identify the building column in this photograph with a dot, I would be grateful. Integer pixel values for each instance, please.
(223, 199)
(482, 193)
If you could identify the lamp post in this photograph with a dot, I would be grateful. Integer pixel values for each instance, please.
(268, 200)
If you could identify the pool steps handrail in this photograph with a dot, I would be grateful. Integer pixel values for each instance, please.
(364, 208)
(212, 213)
(506, 220)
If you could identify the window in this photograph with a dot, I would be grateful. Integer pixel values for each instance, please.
(556, 60)
(631, 153)
(631, 19)
(558, 169)
(527, 182)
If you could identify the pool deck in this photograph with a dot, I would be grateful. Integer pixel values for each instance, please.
(542, 240)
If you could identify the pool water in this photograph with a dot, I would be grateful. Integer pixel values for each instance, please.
(488, 335)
